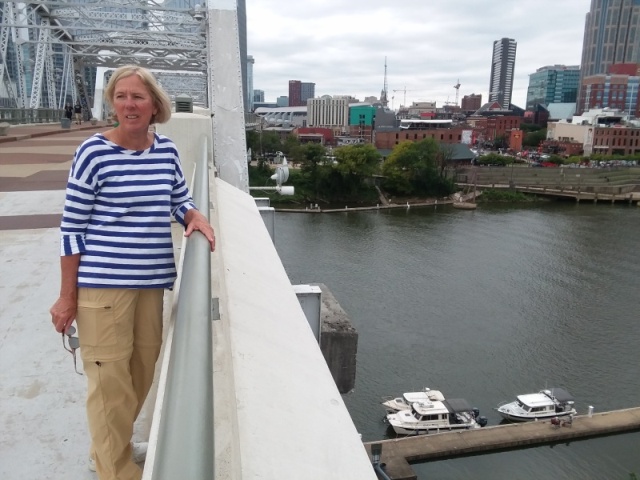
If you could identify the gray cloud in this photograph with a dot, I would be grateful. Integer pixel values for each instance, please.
(429, 44)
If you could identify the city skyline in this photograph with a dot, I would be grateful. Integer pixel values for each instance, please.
(429, 45)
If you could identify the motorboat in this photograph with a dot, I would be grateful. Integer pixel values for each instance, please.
(547, 403)
(436, 416)
(404, 402)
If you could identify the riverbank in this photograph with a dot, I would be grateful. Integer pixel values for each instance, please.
(391, 206)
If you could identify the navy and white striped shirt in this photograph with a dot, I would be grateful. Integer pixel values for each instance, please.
(117, 213)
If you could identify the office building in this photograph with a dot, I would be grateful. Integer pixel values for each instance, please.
(618, 89)
(553, 84)
(503, 64)
(258, 96)
(248, 92)
(329, 112)
(611, 36)
(300, 92)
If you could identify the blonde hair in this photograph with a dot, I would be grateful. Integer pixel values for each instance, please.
(160, 98)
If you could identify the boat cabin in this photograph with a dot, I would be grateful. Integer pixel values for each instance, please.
(442, 413)
(556, 400)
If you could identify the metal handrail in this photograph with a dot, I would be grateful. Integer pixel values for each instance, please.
(185, 446)
(17, 116)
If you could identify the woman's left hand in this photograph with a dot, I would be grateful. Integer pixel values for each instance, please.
(195, 221)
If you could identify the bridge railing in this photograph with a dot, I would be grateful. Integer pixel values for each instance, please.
(184, 440)
(16, 116)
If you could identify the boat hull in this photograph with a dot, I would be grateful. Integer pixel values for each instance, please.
(425, 430)
(512, 417)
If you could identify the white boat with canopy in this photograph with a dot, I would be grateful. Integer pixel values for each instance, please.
(548, 403)
(435, 416)
(395, 404)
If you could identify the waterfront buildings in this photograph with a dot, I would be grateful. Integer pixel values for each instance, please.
(553, 84)
(611, 35)
(503, 64)
(604, 131)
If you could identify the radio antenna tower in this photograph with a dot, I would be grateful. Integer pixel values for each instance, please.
(383, 95)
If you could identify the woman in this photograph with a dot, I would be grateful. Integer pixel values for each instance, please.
(117, 259)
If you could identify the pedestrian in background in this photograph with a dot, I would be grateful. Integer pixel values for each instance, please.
(68, 112)
(78, 111)
(117, 260)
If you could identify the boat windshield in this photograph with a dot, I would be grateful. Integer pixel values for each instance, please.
(523, 406)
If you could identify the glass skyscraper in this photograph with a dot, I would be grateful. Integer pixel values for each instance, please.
(611, 35)
(553, 84)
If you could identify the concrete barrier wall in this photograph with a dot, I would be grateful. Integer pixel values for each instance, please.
(277, 410)
(289, 420)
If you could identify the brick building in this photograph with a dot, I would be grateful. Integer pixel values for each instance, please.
(386, 140)
(616, 140)
(487, 129)
(565, 148)
(471, 103)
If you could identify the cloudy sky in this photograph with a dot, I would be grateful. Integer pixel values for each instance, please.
(430, 45)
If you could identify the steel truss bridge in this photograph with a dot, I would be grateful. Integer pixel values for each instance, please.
(47, 48)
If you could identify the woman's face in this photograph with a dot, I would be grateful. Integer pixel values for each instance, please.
(133, 104)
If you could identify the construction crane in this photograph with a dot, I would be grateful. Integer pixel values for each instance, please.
(404, 90)
(457, 87)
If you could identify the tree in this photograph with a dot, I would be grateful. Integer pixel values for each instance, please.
(313, 158)
(270, 142)
(533, 139)
(253, 143)
(412, 168)
(355, 163)
(362, 160)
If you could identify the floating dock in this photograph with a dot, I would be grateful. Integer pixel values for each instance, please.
(398, 454)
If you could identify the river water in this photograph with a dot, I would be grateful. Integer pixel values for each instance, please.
(484, 305)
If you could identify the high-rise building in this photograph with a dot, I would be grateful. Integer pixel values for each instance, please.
(242, 37)
(300, 92)
(295, 93)
(618, 89)
(553, 84)
(503, 64)
(249, 90)
(611, 35)
(308, 90)
(258, 96)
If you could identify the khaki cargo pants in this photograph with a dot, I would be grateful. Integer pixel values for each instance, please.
(120, 332)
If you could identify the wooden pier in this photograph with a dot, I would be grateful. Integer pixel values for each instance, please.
(398, 454)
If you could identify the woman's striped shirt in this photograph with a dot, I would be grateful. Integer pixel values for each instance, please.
(117, 213)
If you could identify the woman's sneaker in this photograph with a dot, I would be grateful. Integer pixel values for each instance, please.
(138, 454)
(139, 451)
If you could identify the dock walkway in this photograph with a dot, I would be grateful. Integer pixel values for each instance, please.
(398, 454)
